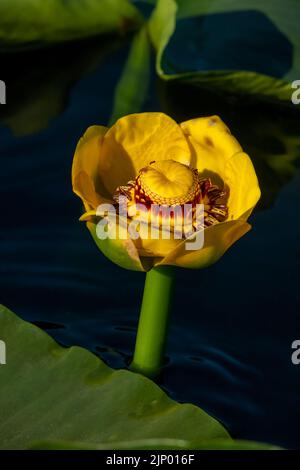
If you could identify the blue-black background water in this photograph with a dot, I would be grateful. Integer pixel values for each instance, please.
(229, 348)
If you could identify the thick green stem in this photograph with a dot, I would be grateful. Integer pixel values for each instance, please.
(153, 322)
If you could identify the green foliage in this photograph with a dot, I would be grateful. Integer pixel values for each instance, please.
(41, 22)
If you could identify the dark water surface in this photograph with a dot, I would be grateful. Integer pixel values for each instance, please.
(233, 324)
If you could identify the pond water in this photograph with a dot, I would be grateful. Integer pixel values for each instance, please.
(233, 324)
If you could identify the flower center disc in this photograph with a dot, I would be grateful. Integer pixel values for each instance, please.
(168, 182)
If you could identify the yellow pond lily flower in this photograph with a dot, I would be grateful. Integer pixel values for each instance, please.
(149, 159)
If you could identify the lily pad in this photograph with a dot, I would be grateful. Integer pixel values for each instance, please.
(50, 393)
(36, 23)
(251, 47)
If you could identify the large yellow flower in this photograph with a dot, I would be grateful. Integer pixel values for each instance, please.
(149, 158)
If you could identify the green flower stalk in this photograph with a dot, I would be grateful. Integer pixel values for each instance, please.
(153, 323)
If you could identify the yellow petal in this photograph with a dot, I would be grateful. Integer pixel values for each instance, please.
(217, 239)
(244, 193)
(211, 144)
(156, 248)
(136, 140)
(121, 252)
(86, 179)
(88, 216)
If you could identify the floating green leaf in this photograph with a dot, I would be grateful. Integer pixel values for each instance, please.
(40, 22)
(278, 16)
(51, 393)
